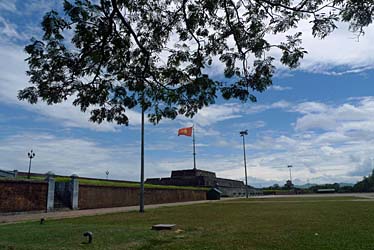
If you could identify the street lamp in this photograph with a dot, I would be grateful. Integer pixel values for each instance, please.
(242, 134)
(289, 167)
(31, 155)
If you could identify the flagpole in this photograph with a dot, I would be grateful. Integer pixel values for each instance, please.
(193, 142)
(141, 205)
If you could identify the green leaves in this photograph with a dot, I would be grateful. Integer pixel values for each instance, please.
(323, 25)
(358, 13)
(292, 52)
(53, 25)
(164, 55)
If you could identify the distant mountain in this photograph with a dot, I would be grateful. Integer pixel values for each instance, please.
(308, 185)
(343, 184)
(305, 186)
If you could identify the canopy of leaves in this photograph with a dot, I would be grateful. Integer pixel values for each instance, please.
(366, 185)
(114, 55)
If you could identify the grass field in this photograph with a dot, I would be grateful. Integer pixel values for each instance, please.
(271, 224)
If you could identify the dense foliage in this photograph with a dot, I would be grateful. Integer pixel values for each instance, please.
(336, 186)
(366, 185)
(308, 188)
(108, 56)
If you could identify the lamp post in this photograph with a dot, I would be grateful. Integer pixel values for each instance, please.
(242, 134)
(31, 155)
(289, 167)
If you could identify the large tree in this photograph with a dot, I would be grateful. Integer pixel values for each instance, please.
(112, 55)
(159, 54)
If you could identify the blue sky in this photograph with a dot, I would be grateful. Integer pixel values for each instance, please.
(319, 118)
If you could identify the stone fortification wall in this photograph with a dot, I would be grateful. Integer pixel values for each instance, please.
(192, 172)
(190, 181)
(221, 182)
(232, 191)
(196, 178)
(22, 196)
(91, 196)
(230, 187)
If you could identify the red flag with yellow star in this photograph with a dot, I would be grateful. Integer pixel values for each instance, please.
(185, 131)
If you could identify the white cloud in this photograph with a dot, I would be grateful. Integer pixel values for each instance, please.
(328, 156)
(311, 107)
(216, 113)
(66, 156)
(279, 88)
(280, 105)
(13, 72)
(258, 108)
(349, 70)
(8, 5)
(340, 48)
(9, 30)
(346, 117)
(213, 114)
(249, 125)
(13, 79)
(330, 144)
(364, 168)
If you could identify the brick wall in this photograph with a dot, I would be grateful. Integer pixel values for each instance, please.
(105, 196)
(21, 196)
(24, 196)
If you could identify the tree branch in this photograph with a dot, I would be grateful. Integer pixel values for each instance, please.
(133, 34)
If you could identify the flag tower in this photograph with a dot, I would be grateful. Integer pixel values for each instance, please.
(190, 131)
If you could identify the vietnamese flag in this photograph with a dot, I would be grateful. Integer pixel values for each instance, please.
(185, 131)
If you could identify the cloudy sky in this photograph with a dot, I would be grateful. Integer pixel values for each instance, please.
(319, 118)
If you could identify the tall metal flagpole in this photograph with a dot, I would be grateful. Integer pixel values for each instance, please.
(289, 167)
(242, 134)
(193, 142)
(141, 205)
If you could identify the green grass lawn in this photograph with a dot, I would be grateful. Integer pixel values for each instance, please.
(292, 223)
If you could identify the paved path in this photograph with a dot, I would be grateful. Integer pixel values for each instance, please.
(357, 195)
(6, 219)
